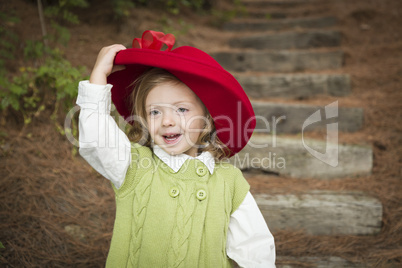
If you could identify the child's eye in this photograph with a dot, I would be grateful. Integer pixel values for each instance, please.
(182, 110)
(153, 112)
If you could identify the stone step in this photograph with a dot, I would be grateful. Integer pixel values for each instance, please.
(322, 212)
(294, 86)
(317, 262)
(280, 24)
(261, 14)
(295, 118)
(288, 40)
(304, 158)
(279, 61)
(274, 3)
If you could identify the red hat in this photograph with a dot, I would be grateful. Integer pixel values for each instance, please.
(220, 92)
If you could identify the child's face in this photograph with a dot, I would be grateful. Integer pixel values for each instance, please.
(175, 117)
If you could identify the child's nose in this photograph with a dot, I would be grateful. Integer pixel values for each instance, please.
(168, 120)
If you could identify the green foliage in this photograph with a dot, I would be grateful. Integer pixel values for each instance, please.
(2, 246)
(176, 27)
(121, 7)
(34, 88)
(222, 16)
(173, 6)
(8, 41)
(55, 73)
(46, 80)
(62, 34)
(60, 10)
(34, 49)
(60, 13)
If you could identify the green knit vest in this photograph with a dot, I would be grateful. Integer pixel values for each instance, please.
(168, 219)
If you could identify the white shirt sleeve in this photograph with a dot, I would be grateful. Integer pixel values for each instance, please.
(102, 144)
(250, 243)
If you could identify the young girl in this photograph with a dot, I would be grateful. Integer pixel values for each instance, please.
(178, 202)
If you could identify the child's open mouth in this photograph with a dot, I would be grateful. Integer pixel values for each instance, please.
(172, 138)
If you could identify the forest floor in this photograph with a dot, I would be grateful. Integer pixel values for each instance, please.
(56, 211)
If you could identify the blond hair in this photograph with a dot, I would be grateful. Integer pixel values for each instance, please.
(208, 141)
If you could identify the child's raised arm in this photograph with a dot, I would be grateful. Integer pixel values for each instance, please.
(104, 64)
(102, 144)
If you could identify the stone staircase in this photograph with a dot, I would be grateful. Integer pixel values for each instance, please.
(286, 59)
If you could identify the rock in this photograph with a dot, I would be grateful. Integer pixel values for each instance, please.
(294, 86)
(278, 24)
(280, 61)
(318, 262)
(288, 40)
(75, 231)
(322, 213)
(294, 116)
(304, 158)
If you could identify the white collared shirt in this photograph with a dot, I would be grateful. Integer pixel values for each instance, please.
(175, 162)
(107, 149)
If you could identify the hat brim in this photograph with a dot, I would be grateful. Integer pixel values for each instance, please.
(220, 92)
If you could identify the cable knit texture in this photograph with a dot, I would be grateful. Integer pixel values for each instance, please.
(168, 219)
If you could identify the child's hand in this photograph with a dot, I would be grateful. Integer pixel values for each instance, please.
(104, 64)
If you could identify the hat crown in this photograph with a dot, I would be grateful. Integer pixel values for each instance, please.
(193, 53)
